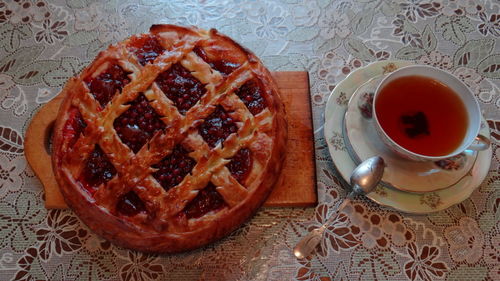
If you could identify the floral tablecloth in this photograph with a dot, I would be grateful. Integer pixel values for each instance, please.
(43, 43)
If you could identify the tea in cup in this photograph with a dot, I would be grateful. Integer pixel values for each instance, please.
(426, 114)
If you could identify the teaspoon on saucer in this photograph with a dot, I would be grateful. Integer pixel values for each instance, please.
(363, 180)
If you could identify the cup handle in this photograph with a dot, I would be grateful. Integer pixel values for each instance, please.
(480, 143)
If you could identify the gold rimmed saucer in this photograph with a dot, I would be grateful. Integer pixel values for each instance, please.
(418, 203)
(363, 142)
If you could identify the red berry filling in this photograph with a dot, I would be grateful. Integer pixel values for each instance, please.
(173, 168)
(251, 95)
(104, 86)
(74, 126)
(180, 87)
(138, 124)
(146, 49)
(98, 170)
(217, 127)
(240, 164)
(130, 204)
(224, 67)
(208, 199)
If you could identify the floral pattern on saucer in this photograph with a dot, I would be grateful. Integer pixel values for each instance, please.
(383, 195)
(365, 104)
(453, 163)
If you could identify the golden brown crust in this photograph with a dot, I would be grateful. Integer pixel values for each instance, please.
(264, 134)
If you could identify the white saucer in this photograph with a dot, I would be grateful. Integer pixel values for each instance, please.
(419, 203)
(363, 142)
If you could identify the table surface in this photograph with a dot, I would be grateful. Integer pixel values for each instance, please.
(42, 45)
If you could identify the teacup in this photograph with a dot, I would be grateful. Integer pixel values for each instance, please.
(423, 113)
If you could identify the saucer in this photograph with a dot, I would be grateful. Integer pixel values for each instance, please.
(410, 202)
(363, 142)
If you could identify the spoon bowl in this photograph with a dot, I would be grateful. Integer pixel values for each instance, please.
(367, 175)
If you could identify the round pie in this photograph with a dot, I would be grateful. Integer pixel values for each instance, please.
(169, 140)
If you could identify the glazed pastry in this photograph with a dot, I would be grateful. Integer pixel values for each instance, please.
(169, 140)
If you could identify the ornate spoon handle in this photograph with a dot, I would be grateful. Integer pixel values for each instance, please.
(309, 242)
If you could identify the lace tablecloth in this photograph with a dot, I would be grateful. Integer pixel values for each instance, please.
(43, 43)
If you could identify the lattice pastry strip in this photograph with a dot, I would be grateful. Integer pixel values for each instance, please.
(120, 189)
(130, 92)
(203, 156)
(184, 191)
(231, 145)
(104, 119)
(186, 196)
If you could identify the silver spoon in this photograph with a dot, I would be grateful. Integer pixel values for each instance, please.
(363, 180)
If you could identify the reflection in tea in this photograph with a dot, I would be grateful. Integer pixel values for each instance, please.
(422, 115)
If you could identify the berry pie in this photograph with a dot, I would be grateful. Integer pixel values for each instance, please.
(169, 140)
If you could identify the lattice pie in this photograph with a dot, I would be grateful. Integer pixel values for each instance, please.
(169, 140)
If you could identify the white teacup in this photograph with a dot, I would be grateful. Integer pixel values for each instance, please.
(472, 140)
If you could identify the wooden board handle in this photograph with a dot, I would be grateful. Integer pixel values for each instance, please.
(37, 144)
(297, 184)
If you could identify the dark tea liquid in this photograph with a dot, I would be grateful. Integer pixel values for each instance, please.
(422, 115)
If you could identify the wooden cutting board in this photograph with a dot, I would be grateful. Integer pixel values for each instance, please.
(295, 188)
(297, 184)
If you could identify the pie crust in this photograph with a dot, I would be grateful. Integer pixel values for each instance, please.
(169, 140)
